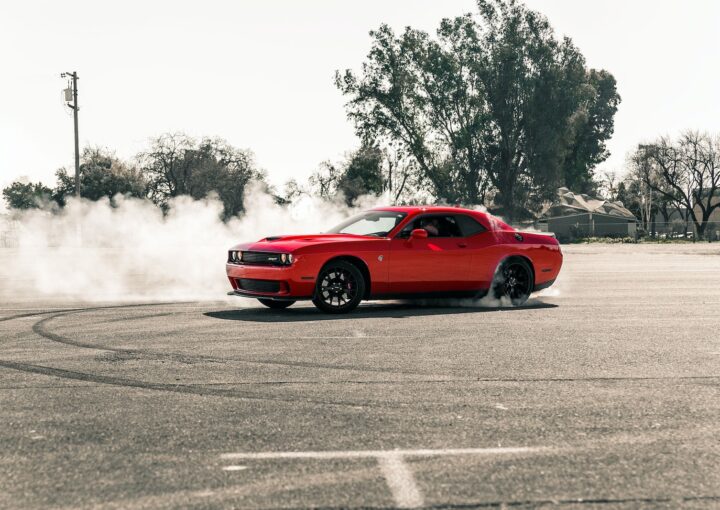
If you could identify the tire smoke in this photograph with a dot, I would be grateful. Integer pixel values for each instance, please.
(92, 251)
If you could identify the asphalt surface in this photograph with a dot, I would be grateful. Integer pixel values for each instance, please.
(601, 393)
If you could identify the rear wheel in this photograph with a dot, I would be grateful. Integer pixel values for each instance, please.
(275, 305)
(514, 281)
(340, 287)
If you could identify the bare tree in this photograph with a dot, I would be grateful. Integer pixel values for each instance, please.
(399, 174)
(636, 194)
(608, 182)
(685, 172)
(324, 182)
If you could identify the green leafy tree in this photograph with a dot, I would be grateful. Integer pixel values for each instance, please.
(177, 164)
(102, 174)
(494, 105)
(26, 195)
(363, 175)
(360, 174)
(594, 125)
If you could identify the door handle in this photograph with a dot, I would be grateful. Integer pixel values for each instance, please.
(462, 245)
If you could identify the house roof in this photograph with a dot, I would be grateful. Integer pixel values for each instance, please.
(568, 203)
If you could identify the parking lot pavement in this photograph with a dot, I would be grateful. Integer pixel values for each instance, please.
(601, 392)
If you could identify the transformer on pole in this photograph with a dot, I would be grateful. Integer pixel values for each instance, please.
(70, 96)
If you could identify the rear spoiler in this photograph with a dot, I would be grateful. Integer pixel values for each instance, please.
(549, 234)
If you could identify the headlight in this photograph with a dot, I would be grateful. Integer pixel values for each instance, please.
(238, 256)
(286, 258)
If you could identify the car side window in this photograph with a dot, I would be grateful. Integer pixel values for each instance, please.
(437, 225)
(469, 226)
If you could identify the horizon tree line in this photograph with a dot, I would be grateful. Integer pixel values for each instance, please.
(493, 109)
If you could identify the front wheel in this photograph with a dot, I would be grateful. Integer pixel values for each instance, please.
(514, 281)
(275, 305)
(340, 287)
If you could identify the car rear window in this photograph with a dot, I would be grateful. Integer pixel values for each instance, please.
(468, 225)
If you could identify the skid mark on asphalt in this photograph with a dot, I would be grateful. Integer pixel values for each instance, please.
(35, 314)
(40, 328)
(137, 317)
(397, 473)
(203, 391)
(67, 311)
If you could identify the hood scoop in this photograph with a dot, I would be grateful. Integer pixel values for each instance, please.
(273, 238)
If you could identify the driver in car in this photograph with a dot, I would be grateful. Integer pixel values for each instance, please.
(432, 225)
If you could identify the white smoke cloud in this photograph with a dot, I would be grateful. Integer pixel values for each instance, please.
(91, 251)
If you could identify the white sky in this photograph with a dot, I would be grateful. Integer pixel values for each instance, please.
(259, 73)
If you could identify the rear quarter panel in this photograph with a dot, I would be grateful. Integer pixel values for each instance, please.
(492, 247)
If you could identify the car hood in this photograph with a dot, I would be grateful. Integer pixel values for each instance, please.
(293, 242)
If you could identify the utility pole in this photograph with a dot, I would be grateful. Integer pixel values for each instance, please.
(71, 95)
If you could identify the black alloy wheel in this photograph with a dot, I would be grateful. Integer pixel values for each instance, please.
(339, 288)
(274, 304)
(514, 281)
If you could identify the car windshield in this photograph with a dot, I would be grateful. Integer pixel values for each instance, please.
(371, 223)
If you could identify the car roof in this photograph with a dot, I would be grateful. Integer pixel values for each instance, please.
(424, 208)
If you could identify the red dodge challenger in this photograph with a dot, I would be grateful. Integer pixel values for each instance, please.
(394, 253)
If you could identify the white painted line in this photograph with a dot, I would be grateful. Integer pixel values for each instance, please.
(362, 454)
(400, 481)
(397, 473)
(234, 468)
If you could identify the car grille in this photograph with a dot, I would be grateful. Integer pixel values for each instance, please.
(252, 285)
(261, 258)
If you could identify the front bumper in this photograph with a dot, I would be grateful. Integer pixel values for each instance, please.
(270, 282)
(242, 293)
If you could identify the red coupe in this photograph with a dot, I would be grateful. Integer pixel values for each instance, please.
(393, 253)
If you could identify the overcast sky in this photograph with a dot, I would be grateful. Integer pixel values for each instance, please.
(259, 73)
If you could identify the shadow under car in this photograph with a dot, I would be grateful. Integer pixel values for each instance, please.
(391, 310)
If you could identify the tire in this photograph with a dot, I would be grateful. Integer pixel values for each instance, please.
(276, 305)
(339, 288)
(514, 281)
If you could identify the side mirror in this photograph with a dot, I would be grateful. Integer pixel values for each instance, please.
(419, 233)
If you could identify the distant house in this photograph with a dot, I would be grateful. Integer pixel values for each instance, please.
(8, 231)
(572, 216)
